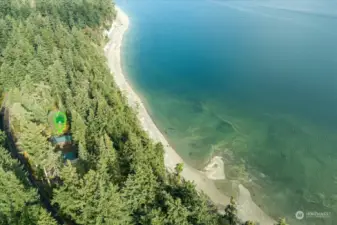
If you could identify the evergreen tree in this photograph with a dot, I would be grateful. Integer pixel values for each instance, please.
(90, 200)
(179, 169)
(175, 211)
(231, 213)
(19, 203)
(140, 190)
(45, 218)
(281, 221)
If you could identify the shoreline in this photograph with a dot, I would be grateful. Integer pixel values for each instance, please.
(247, 209)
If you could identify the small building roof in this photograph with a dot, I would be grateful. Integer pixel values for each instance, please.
(70, 156)
(61, 139)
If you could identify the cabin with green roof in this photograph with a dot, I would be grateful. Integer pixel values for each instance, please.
(60, 135)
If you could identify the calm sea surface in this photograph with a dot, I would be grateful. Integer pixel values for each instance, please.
(253, 81)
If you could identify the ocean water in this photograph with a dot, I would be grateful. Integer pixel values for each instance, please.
(253, 81)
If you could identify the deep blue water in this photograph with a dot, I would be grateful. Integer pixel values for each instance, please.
(254, 81)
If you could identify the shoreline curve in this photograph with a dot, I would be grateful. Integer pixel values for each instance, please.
(247, 209)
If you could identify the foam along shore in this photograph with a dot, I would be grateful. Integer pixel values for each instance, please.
(247, 209)
(215, 169)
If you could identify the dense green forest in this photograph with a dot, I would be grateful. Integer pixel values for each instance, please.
(51, 57)
(19, 201)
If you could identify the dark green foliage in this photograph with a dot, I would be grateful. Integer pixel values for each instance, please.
(90, 200)
(19, 9)
(249, 223)
(80, 13)
(230, 213)
(281, 221)
(2, 138)
(45, 218)
(179, 168)
(19, 202)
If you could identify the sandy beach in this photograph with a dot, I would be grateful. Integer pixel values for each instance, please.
(247, 209)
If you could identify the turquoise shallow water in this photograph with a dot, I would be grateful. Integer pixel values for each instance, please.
(253, 81)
